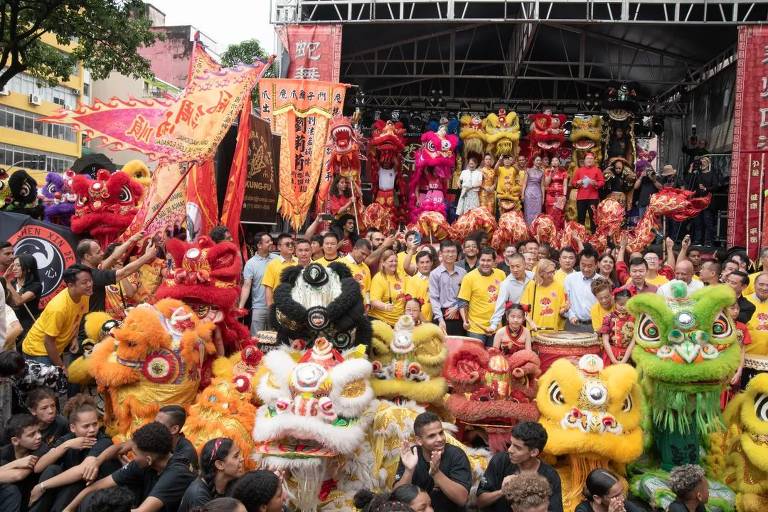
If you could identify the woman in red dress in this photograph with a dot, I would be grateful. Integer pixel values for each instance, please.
(340, 197)
(556, 190)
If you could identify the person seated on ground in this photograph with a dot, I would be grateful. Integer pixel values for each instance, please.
(17, 461)
(157, 477)
(114, 499)
(439, 469)
(527, 492)
(41, 403)
(604, 492)
(259, 491)
(411, 495)
(522, 457)
(224, 504)
(221, 463)
(691, 489)
(173, 417)
(26, 376)
(73, 462)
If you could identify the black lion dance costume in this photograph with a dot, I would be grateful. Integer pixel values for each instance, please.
(317, 301)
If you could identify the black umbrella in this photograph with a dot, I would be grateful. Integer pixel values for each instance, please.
(91, 163)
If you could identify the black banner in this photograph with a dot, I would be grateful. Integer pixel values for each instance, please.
(260, 199)
(53, 247)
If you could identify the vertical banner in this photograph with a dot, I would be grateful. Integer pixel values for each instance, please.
(314, 51)
(260, 200)
(299, 111)
(163, 206)
(750, 142)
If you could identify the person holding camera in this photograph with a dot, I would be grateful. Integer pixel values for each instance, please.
(647, 184)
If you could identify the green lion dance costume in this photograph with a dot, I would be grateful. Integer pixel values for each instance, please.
(686, 349)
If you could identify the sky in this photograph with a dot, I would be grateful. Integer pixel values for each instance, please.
(224, 21)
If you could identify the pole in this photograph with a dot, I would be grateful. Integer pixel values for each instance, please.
(352, 187)
(173, 190)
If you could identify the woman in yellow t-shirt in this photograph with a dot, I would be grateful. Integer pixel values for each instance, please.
(387, 290)
(546, 298)
(602, 289)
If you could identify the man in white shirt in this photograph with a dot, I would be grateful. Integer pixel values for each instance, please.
(511, 288)
(684, 273)
(578, 288)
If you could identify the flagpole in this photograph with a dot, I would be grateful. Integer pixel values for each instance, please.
(354, 206)
(165, 201)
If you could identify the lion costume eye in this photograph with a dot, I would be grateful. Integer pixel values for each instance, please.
(647, 331)
(627, 405)
(722, 328)
(761, 407)
(125, 195)
(555, 395)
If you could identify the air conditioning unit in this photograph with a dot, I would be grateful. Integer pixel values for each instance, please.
(5, 92)
(34, 99)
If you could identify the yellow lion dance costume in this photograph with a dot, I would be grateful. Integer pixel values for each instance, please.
(502, 133)
(153, 358)
(592, 416)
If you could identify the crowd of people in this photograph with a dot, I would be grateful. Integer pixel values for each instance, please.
(56, 456)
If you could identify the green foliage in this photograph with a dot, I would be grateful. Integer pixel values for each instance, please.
(106, 34)
(248, 52)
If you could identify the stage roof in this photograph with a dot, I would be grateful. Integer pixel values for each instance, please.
(482, 54)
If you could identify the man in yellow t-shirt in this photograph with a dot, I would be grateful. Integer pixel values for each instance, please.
(275, 268)
(417, 286)
(477, 297)
(764, 268)
(330, 249)
(56, 327)
(758, 324)
(355, 260)
(567, 262)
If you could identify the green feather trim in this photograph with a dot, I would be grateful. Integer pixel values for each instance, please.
(676, 408)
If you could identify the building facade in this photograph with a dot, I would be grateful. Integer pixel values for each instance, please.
(25, 142)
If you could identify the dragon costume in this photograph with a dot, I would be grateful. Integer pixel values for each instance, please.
(58, 198)
(153, 358)
(314, 418)
(205, 275)
(385, 168)
(106, 205)
(593, 418)
(685, 349)
(502, 133)
(743, 449)
(491, 391)
(22, 195)
(320, 301)
(433, 168)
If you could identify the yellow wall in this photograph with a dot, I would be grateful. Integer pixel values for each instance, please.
(39, 142)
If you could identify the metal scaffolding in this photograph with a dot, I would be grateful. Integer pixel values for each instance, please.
(499, 11)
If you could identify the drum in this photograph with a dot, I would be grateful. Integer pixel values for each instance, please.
(753, 365)
(553, 345)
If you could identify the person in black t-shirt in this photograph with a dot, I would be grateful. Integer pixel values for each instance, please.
(604, 492)
(691, 488)
(90, 254)
(157, 478)
(440, 469)
(74, 460)
(221, 463)
(526, 444)
(174, 417)
(41, 403)
(259, 491)
(17, 462)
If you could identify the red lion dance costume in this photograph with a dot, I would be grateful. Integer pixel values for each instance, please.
(546, 134)
(385, 162)
(433, 167)
(345, 144)
(105, 206)
(205, 276)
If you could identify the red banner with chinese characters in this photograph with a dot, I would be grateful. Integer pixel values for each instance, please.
(750, 142)
(314, 51)
(299, 111)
